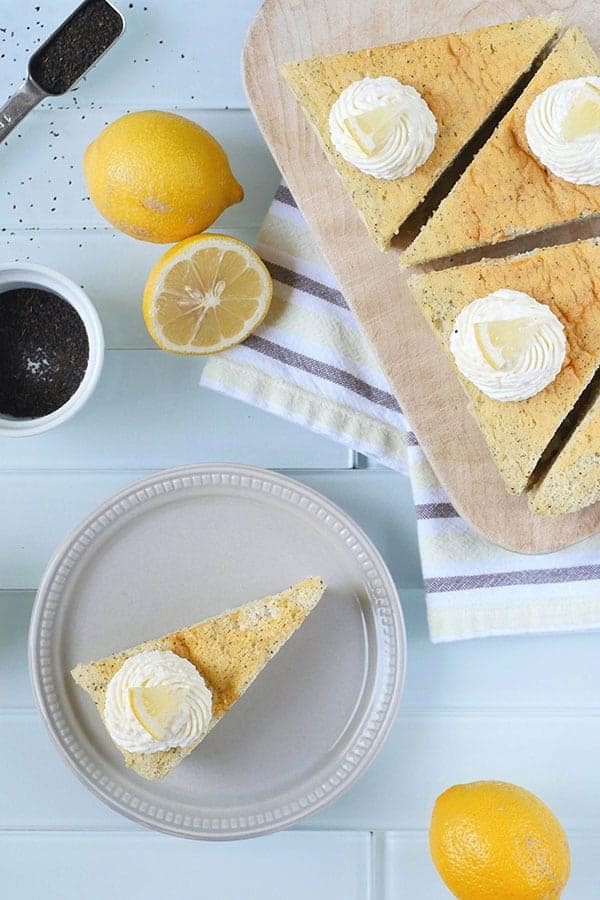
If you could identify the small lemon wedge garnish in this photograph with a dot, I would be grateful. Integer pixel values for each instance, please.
(367, 127)
(584, 116)
(154, 708)
(503, 340)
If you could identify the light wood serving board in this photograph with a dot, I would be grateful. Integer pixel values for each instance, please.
(372, 282)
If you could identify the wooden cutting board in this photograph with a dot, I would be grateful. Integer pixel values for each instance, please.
(372, 282)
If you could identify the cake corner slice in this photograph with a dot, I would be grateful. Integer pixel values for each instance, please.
(572, 481)
(229, 651)
(506, 191)
(462, 77)
(567, 279)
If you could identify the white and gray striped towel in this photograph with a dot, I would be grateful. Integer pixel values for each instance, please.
(309, 362)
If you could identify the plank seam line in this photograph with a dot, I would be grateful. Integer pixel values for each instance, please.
(8, 228)
(93, 228)
(98, 106)
(116, 470)
(133, 832)
(578, 833)
(456, 712)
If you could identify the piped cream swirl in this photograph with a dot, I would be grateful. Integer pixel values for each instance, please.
(514, 371)
(396, 141)
(576, 160)
(152, 668)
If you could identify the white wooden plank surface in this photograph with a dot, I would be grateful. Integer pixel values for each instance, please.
(544, 671)
(110, 266)
(15, 608)
(187, 53)
(37, 509)
(523, 709)
(405, 862)
(548, 751)
(43, 174)
(332, 866)
(426, 752)
(148, 412)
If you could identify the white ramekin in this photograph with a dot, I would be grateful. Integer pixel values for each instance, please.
(18, 275)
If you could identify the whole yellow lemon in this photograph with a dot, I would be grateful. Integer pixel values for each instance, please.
(159, 177)
(492, 840)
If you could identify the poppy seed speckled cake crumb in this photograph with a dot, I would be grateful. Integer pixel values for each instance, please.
(506, 191)
(566, 279)
(573, 480)
(462, 78)
(229, 651)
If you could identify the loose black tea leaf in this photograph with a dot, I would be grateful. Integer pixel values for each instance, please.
(75, 46)
(44, 352)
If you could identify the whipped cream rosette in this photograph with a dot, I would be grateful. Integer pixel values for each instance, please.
(508, 345)
(155, 701)
(562, 127)
(382, 127)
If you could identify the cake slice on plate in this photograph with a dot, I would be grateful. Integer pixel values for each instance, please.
(383, 111)
(573, 480)
(563, 283)
(507, 190)
(160, 699)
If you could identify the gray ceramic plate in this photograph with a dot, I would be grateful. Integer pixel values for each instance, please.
(186, 544)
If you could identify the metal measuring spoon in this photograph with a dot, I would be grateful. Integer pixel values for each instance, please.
(62, 60)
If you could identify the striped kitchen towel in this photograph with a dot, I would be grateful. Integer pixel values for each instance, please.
(309, 363)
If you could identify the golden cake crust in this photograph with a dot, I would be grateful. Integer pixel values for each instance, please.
(462, 78)
(506, 191)
(567, 279)
(229, 651)
(573, 480)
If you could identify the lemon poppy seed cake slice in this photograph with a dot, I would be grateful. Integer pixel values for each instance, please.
(573, 480)
(223, 655)
(566, 279)
(507, 191)
(462, 78)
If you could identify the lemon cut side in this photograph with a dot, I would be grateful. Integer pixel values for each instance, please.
(206, 294)
(154, 708)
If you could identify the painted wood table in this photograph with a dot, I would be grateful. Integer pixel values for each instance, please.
(519, 709)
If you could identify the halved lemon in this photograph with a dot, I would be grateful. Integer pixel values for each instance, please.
(154, 707)
(206, 294)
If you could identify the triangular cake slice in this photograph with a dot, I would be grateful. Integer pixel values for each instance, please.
(565, 278)
(229, 651)
(573, 480)
(462, 78)
(506, 191)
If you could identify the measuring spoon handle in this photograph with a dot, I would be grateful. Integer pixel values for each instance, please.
(16, 107)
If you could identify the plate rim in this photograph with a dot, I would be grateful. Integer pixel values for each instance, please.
(397, 665)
